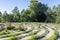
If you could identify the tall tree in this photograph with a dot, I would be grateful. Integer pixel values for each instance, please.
(5, 16)
(25, 16)
(1, 17)
(0, 14)
(58, 14)
(50, 15)
(16, 14)
(38, 10)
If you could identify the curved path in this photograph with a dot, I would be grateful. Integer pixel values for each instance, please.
(36, 31)
(22, 34)
(51, 32)
(39, 33)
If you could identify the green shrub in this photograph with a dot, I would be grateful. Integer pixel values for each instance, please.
(4, 32)
(21, 27)
(8, 26)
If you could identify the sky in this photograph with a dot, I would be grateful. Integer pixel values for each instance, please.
(8, 5)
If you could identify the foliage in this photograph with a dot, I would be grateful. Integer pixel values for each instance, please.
(9, 27)
(21, 27)
(36, 12)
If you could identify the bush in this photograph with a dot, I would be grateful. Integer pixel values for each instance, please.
(21, 27)
(9, 27)
(4, 32)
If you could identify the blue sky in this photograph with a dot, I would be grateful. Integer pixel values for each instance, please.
(8, 5)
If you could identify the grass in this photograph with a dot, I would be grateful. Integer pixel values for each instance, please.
(5, 34)
(35, 37)
(14, 36)
(31, 33)
(54, 36)
(10, 35)
(34, 32)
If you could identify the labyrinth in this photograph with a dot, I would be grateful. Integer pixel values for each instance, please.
(29, 31)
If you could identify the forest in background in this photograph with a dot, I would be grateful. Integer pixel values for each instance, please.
(37, 12)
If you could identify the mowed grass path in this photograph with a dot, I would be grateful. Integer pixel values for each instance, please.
(43, 32)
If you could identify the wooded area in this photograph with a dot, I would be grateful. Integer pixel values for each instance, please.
(37, 12)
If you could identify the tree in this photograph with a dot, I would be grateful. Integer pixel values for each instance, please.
(1, 17)
(54, 8)
(38, 10)
(35, 12)
(50, 16)
(25, 16)
(16, 14)
(5, 16)
(0, 14)
(58, 14)
(11, 17)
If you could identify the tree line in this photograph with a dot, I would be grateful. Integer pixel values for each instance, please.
(37, 12)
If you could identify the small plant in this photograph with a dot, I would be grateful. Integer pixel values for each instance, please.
(9, 27)
(5, 32)
(21, 27)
